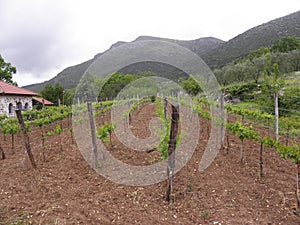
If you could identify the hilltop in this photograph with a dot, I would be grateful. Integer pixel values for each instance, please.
(215, 52)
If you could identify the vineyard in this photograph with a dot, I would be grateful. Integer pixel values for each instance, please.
(253, 178)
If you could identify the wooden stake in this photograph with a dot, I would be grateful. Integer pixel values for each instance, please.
(171, 150)
(287, 136)
(222, 116)
(165, 108)
(43, 144)
(242, 153)
(93, 132)
(191, 106)
(102, 116)
(261, 159)
(26, 138)
(2, 152)
(276, 115)
(12, 143)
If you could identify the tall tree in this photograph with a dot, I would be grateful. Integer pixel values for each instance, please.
(115, 83)
(53, 93)
(286, 44)
(6, 71)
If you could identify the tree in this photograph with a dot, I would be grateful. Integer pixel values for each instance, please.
(69, 96)
(234, 72)
(258, 67)
(220, 75)
(115, 83)
(53, 93)
(284, 61)
(286, 44)
(295, 60)
(257, 53)
(6, 71)
(191, 86)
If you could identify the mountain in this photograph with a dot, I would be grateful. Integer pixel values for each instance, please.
(261, 36)
(70, 76)
(215, 52)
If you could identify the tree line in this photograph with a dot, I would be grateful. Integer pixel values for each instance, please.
(284, 52)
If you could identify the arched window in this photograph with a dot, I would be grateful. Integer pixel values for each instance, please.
(19, 105)
(26, 106)
(10, 108)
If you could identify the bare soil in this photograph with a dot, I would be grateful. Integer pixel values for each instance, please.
(65, 190)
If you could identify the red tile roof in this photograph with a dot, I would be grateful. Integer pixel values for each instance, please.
(46, 102)
(9, 89)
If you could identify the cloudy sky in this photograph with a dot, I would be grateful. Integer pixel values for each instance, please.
(42, 37)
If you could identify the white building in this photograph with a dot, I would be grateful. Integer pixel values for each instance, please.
(13, 97)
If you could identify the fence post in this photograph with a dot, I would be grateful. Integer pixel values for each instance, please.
(26, 138)
(93, 132)
(2, 152)
(261, 159)
(165, 108)
(171, 150)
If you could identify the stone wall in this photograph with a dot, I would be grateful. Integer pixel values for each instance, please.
(5, 101)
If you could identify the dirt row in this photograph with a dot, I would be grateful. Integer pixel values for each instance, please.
(65, 190)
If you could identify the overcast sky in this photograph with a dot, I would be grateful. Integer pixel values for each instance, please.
(42, 37)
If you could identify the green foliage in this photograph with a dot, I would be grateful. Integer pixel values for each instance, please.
(50, 133)
(47, 115)
(58, 129)
(257, 115)
(135, 106)
(204, 215)
(10, 127)
(201, 112)
(53, 93)
(7, 71)
(243, 132)
(115, 83)
(242, 91)
(290, 100)
(284, 52)
(286, 44)
(163, 133)
(38, 118)
(3, 117)
(269, 142)
(257, 54)
(191, 86)
(69, 96)
(273, 84)
(42, 122)
(292, 152)
(27, 126)
(104, 132)
(152, 98)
